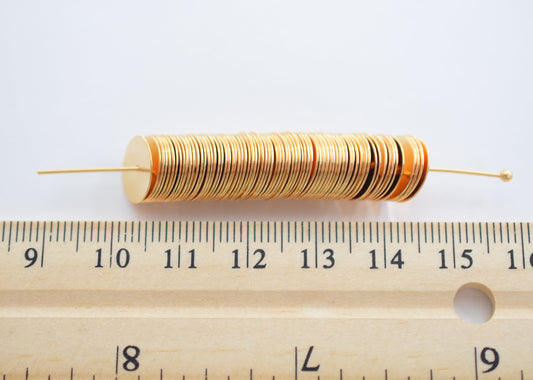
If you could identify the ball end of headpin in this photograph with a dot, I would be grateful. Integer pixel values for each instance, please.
(506, 175)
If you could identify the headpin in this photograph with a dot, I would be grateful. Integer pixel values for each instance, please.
(276, 165)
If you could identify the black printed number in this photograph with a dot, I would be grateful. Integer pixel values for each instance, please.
(468, 260)
(396, 260)
(131, 353)
(122, 258)
(259, 264)
(511, 257)
(31, 255)
(328, 256)
(490, 357)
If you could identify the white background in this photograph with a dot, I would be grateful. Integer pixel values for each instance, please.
(79, 79)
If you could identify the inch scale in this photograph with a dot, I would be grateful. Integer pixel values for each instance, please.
(262, 300)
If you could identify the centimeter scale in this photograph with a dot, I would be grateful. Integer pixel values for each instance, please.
(262, 300)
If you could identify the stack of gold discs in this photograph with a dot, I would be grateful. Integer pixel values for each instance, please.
(276, 165)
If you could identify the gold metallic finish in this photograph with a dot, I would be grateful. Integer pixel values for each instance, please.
(137, 183)
(382, 163)
(413, 174)
(408, 158)
(391, 162)
(341, 167)
(96, 170)
(191, 165)
(306, 165)
(168, 184)
(212, 188)
(371, 164)
(425, 168)
(205, 144)
(505, 175)
(154, 151)
(416, 171)
(161, 170)
(201, 167)
(281, 166)
(361, 155)
(325, 171)
(321, 165)
(335, 163)
(182, 178)
(167, 163)
(239, 180)
(422, 167)
(266, 169)
(250, 165)
(232, 170)
(300, 164)
(392, 149)
(421, 163)
(351, 169)
(292, 168)
(275, 165)
(239, 161)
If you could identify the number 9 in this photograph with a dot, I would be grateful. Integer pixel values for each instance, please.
(31, 255)
(492, 363)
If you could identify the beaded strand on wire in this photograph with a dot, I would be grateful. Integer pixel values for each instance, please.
(275, 165)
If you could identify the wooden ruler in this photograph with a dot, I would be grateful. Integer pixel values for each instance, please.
(258, 300)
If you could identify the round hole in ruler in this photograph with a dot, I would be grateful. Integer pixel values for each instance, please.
(474, 303)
